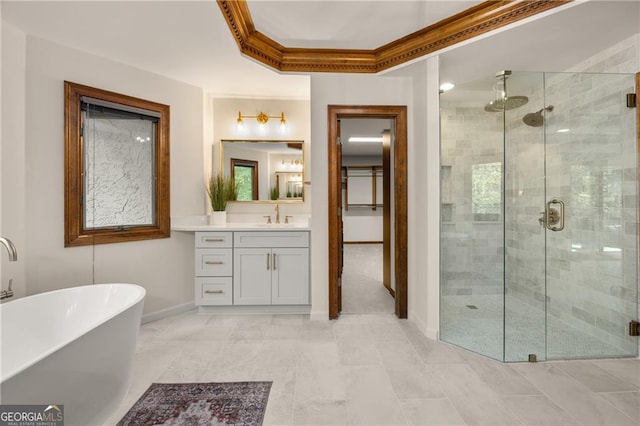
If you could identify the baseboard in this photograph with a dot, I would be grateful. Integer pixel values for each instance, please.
(432, 334)
(428, 332)
(319, 316)
(255, 309)
(168, 312)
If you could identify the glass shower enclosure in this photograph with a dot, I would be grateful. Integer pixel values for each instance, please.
(539, 238)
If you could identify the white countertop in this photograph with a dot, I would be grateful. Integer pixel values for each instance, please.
(200, 223)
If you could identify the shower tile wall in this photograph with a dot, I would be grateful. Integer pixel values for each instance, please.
(525, 199)
(592, 266)
(471, 250)
(623, 57)
(605, 302)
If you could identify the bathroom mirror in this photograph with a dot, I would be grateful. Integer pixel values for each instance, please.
(265, 170)
(116, 167)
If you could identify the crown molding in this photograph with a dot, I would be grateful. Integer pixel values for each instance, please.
(480, 19)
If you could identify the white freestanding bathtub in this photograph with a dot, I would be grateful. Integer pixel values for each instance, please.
(72, 347)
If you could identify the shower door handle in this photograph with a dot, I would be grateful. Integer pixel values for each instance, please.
(553, 216)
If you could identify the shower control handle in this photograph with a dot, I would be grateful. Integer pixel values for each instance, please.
(542, 220)
(554, 216)
(549, 218)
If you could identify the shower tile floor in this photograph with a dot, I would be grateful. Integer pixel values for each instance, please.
(481, 330)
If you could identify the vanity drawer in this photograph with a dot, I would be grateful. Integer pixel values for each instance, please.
(271, 239)
(214, 239)
(214, 262)
(214, 291)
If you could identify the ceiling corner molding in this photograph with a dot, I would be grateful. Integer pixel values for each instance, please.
(473, 22)
(482, 18)
(250, 42)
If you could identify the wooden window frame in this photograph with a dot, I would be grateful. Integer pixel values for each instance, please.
(74, 232)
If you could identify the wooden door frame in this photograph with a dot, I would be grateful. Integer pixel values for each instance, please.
(398, 113)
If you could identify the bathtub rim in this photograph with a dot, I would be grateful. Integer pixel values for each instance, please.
(139, 298)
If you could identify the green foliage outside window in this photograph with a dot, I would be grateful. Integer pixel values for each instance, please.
(244, 182)
(486, 191)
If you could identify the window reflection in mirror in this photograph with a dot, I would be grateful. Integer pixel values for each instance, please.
(265, 169)
(116, 167)
(245, 176)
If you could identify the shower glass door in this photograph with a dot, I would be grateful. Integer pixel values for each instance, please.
(525, 245)
(539, 204)
(591, 187)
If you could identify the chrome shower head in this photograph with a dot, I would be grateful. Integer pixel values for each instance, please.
(502, 102)
(535, 119)
(506, 104)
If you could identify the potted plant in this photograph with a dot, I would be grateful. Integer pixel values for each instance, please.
(221, 189)
(275, 193)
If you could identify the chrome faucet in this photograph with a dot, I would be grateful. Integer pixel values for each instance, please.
(5, 294)
(277, 213)
(11, 249)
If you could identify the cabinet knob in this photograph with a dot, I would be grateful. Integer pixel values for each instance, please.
(214, 291)
(214, 262)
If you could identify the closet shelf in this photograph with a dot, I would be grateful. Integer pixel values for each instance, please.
(357, 174)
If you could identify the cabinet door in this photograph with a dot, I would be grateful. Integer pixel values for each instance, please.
(290, 276)
(252, 276)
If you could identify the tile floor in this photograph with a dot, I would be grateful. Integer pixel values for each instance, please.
(373, 369)
(362, 288)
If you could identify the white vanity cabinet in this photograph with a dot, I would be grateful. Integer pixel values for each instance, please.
(251, 268)
(214, 268)
(271, 268)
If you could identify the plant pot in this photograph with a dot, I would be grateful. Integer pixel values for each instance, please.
(218, 218)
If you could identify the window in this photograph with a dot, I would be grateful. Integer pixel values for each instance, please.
(116, 167)
(245, 176)
(486, 192)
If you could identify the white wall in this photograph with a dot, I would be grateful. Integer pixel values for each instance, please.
(165, 266)
(12, 177)
(340, 89)
(424, 196)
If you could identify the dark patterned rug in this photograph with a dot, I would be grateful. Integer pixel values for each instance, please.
(241, 403)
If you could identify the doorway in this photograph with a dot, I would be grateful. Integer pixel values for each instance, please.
(397, 227)
(366, 281)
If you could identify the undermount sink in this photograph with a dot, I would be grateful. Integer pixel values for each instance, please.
(274, 225)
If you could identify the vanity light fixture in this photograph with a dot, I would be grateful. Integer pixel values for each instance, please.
(261, 118)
